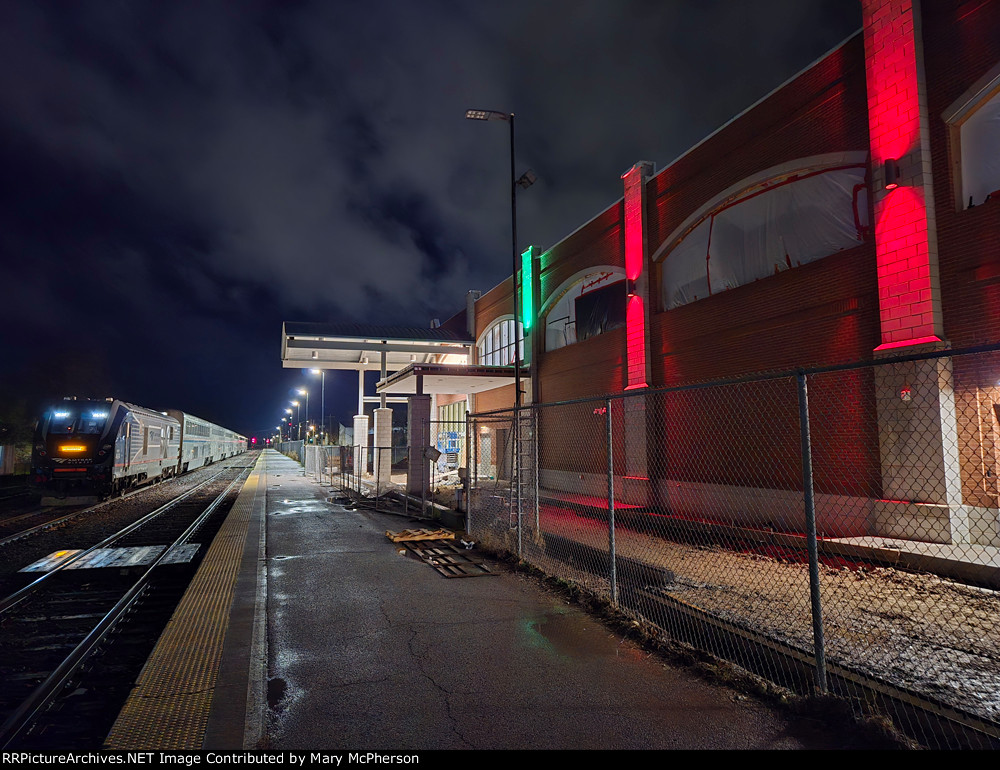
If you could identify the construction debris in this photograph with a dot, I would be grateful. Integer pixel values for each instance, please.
(448, 559)
(419, 534)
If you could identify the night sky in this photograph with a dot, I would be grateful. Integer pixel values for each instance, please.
(178, 178)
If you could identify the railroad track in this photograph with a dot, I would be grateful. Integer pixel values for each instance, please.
(12, 493)
(78, 636)
(60, 515)
(12, 523)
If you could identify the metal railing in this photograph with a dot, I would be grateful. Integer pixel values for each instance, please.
(832, 530)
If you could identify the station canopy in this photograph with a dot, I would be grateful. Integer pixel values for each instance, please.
(416, 360)
(360, 347)
(447, 378)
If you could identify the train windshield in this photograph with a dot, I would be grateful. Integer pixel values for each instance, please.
(89, 420)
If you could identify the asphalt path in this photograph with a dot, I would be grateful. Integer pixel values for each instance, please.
(371, 649)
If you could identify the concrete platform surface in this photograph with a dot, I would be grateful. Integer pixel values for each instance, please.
(368, 648)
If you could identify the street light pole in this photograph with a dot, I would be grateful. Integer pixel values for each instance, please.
(525, 181)
(305, 392)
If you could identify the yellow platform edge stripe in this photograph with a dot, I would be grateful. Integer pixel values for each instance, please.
(169, 706)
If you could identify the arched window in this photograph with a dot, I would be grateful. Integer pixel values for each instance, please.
(764, 227)
(590, 303)
(496, 345)
(974, 123)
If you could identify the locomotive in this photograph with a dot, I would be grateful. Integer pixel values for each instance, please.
(91, 447)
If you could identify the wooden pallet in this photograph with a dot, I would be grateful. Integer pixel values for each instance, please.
(409, 535)
(450, 561)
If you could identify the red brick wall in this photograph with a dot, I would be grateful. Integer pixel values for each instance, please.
(593, 367)
(600, 242)
(823, 312)
(962, 43)
(494, 304)
(449, 398)
(821, 111)
(572, 438)
(819, 313)
(498, 398)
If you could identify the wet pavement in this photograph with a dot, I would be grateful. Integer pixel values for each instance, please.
(369, 648)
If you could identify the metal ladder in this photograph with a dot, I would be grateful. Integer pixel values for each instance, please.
(524, 481)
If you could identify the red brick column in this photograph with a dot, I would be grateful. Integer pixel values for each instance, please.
(918, 447)
(637, 276)
(634, 487)
(905, 232)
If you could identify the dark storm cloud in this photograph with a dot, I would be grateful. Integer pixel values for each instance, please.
(231, 165)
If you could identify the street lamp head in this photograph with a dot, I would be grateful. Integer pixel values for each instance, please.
(487, 115)
(302, 392)
(315, 371)
(295, 403)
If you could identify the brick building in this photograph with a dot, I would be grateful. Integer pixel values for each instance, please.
(851, 215)
(778, 242)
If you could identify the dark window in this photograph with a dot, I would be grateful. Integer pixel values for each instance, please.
(600, 310)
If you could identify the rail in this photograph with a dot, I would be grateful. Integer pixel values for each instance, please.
(44, 693)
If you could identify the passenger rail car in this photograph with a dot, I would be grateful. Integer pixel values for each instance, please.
(89, 447)
(203, 443)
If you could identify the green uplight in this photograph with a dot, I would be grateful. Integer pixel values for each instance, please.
(527, 307)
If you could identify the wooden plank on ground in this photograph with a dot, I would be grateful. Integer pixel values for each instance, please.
(409, 535)
(449, 560)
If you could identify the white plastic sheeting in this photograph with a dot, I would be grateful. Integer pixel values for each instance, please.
(560, 320)
(981, 153)
(765, 231)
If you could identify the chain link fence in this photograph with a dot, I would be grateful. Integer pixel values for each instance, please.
(830, 530)
(377, 476)
(292, 449)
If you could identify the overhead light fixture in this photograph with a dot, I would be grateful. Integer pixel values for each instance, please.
(891, 167)
(486, 115)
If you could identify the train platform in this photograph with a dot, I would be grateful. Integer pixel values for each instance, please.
(306, 628)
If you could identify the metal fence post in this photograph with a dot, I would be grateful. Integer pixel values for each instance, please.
(475, 469)
(810, 509)
(515, 476)
(536, 418)
(468, 475)
(423, 467)
(378, 475)
(612, 562)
